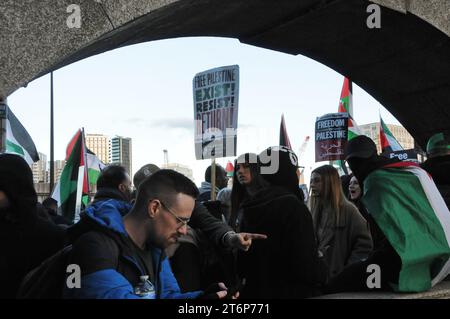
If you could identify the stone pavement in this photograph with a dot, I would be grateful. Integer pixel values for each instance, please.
(440, 291)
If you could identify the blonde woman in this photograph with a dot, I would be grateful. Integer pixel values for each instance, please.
(342, 234)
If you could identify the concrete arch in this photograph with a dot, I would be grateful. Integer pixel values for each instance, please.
(404, 64)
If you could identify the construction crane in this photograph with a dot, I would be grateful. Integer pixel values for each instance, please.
(302, 148)
(301, 151)
(166, 158)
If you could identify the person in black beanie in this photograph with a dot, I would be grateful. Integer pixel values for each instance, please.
(361, 154)
(287, 172)
(25, 239)
(284, 266)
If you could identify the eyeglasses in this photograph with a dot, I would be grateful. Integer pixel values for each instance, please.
(182, 221)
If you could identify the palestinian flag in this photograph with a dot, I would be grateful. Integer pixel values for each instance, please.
(407, 206)
(346, 100)
(353, 128)
(94, 166)
(284, 138)
(18, 141)
(346, 106)
(387, 140)
(66, 190)
(229, 169)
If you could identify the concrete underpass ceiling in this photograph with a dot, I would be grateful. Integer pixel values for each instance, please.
(405, 64)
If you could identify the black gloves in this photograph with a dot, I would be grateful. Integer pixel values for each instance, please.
(212, 290)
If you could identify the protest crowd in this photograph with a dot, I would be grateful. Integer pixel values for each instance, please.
(369, 222)
(369, 217)
(259, 239)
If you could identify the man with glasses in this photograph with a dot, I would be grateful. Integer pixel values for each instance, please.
(123, 258)
(218, 233)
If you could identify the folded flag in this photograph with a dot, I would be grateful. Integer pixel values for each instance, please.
(408, 208)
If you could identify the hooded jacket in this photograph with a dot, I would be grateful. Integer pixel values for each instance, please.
(106, 193)
(285, 264)
(102, 195)
(25, 239)
(111, 265)
(205, 191)
(439, 168)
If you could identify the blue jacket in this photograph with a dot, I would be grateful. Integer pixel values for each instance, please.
(108, 263)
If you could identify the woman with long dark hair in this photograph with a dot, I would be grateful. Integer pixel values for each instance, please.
(246, 183)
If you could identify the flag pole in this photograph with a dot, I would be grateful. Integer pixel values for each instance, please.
(52, 155)
(80, 181)
(79, 194)
(86, 168)
(213, 178)
(3, 119)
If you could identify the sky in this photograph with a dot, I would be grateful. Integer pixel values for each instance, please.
(144, 92)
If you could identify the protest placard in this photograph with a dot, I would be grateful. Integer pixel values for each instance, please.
(216, 100)
(331, 136)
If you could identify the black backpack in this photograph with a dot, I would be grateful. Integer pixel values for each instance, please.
(47, 280)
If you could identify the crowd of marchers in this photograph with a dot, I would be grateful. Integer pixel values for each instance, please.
(259, 238)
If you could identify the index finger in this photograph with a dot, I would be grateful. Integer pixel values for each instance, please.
(255, 236)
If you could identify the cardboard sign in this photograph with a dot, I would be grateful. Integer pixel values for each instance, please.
(331, 136)
(216, 100)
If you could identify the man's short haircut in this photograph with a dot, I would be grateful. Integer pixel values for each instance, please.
(49, 202)
(144, 172)
(164, 185)
(112, 176)
(219, 170)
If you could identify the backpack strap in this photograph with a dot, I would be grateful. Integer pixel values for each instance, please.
(44, 281)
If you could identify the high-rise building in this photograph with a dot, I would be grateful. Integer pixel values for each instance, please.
(180, 168)
(57, 169)
(372, 130)
(39, 169)
(59, 166)
(99, 144)
(120, 152)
